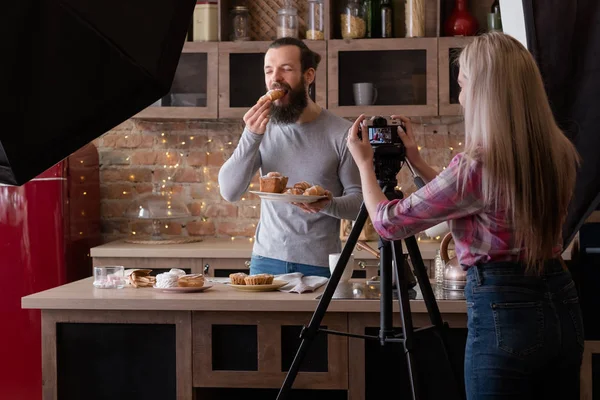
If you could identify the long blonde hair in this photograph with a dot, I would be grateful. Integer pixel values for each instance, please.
(529, 165)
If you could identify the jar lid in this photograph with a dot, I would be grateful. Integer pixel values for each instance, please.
(240, 8)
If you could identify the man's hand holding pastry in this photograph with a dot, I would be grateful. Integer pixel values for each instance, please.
(317, 205)
(257, 118)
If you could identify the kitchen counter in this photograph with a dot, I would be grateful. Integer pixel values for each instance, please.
(82, 295)
(220, 343)
(216, 248)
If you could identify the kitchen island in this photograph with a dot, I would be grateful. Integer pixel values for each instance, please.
(221, 343)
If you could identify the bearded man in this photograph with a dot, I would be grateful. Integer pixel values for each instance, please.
(299, 139)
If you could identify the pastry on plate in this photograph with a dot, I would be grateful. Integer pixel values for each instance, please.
(259, 279)
(294, 191)
(238, 278)
(192, 280)
(273, 182)
(315, 190)
(166, 280)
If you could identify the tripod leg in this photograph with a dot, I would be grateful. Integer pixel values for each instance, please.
(309, 333)
(421, 274)
(406, 316)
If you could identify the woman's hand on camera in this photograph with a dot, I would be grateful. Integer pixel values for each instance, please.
(257, 117)
(360, 148)
(408, 139)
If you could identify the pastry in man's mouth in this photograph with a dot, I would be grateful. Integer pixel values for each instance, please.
(274, 94)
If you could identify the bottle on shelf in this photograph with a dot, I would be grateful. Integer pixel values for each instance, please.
(240, 24)
(205, 21)
(415, 18)
(287, 21)
(352, 20)
(494, 18)
(387, 19)
(461, 22)
(439, 267)
(315, 26)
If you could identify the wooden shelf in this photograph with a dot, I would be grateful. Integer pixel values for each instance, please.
(210, 71)
(447, 85)
(423, 84)
(232, 89)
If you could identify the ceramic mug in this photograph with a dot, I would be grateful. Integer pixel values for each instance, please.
(365, 93)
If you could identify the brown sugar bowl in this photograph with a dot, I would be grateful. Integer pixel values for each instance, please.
(273, 182)
(238, 278)
(259, 279)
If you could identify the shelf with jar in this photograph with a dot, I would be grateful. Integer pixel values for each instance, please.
(242, 80)
(222, 79)
(193, 93)
(383, 77)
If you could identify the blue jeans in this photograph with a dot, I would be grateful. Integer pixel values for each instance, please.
(265, 265)
(525, 333)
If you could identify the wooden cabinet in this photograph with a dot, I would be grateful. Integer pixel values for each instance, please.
(255, 350)
(403, 73)
(242, 81)
(193, 93)
(413, 76)
(448, 51)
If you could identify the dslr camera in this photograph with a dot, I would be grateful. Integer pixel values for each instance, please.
(383, 131)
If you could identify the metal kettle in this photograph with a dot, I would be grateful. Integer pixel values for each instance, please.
(455, 278)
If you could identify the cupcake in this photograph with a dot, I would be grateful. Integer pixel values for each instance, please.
(238, 278)
(273, 182)
(259, 279)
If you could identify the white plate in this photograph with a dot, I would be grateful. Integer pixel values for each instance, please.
(288, 198)
(261, 288)
(178, 289)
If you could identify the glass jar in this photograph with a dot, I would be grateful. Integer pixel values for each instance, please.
(205, 21)
(287, 22)
(352, 20)
(240, 24)
(315, 26)
(387, 19)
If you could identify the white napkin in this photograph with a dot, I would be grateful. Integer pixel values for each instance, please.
(298, 283)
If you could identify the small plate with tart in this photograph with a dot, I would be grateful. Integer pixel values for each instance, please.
(184, 289)
(276, 284)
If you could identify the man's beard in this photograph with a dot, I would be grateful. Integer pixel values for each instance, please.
(297, 102)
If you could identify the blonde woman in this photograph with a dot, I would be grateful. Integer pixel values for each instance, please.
(506, 197)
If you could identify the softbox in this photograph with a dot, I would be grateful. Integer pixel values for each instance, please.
(73, 69)
(564, 37)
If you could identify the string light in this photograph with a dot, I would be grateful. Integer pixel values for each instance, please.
(85, 193)
(451, 148)
(81, 161)
(460, 143)
(191, 138)
(126, 136)
(232, 238)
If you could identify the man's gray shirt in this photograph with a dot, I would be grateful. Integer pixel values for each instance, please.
(315, 152)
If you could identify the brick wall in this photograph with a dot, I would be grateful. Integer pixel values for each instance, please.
(185, 158)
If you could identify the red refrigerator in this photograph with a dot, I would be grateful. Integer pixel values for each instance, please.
(47, 227)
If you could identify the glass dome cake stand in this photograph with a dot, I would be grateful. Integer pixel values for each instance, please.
(159, 206)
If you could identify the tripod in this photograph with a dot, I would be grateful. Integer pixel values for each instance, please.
(388, 250)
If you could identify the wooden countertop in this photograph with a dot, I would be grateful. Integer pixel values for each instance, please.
(225, 248)
(81, 295)
(215, 248)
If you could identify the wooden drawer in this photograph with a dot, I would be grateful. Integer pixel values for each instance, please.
(255, 350)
